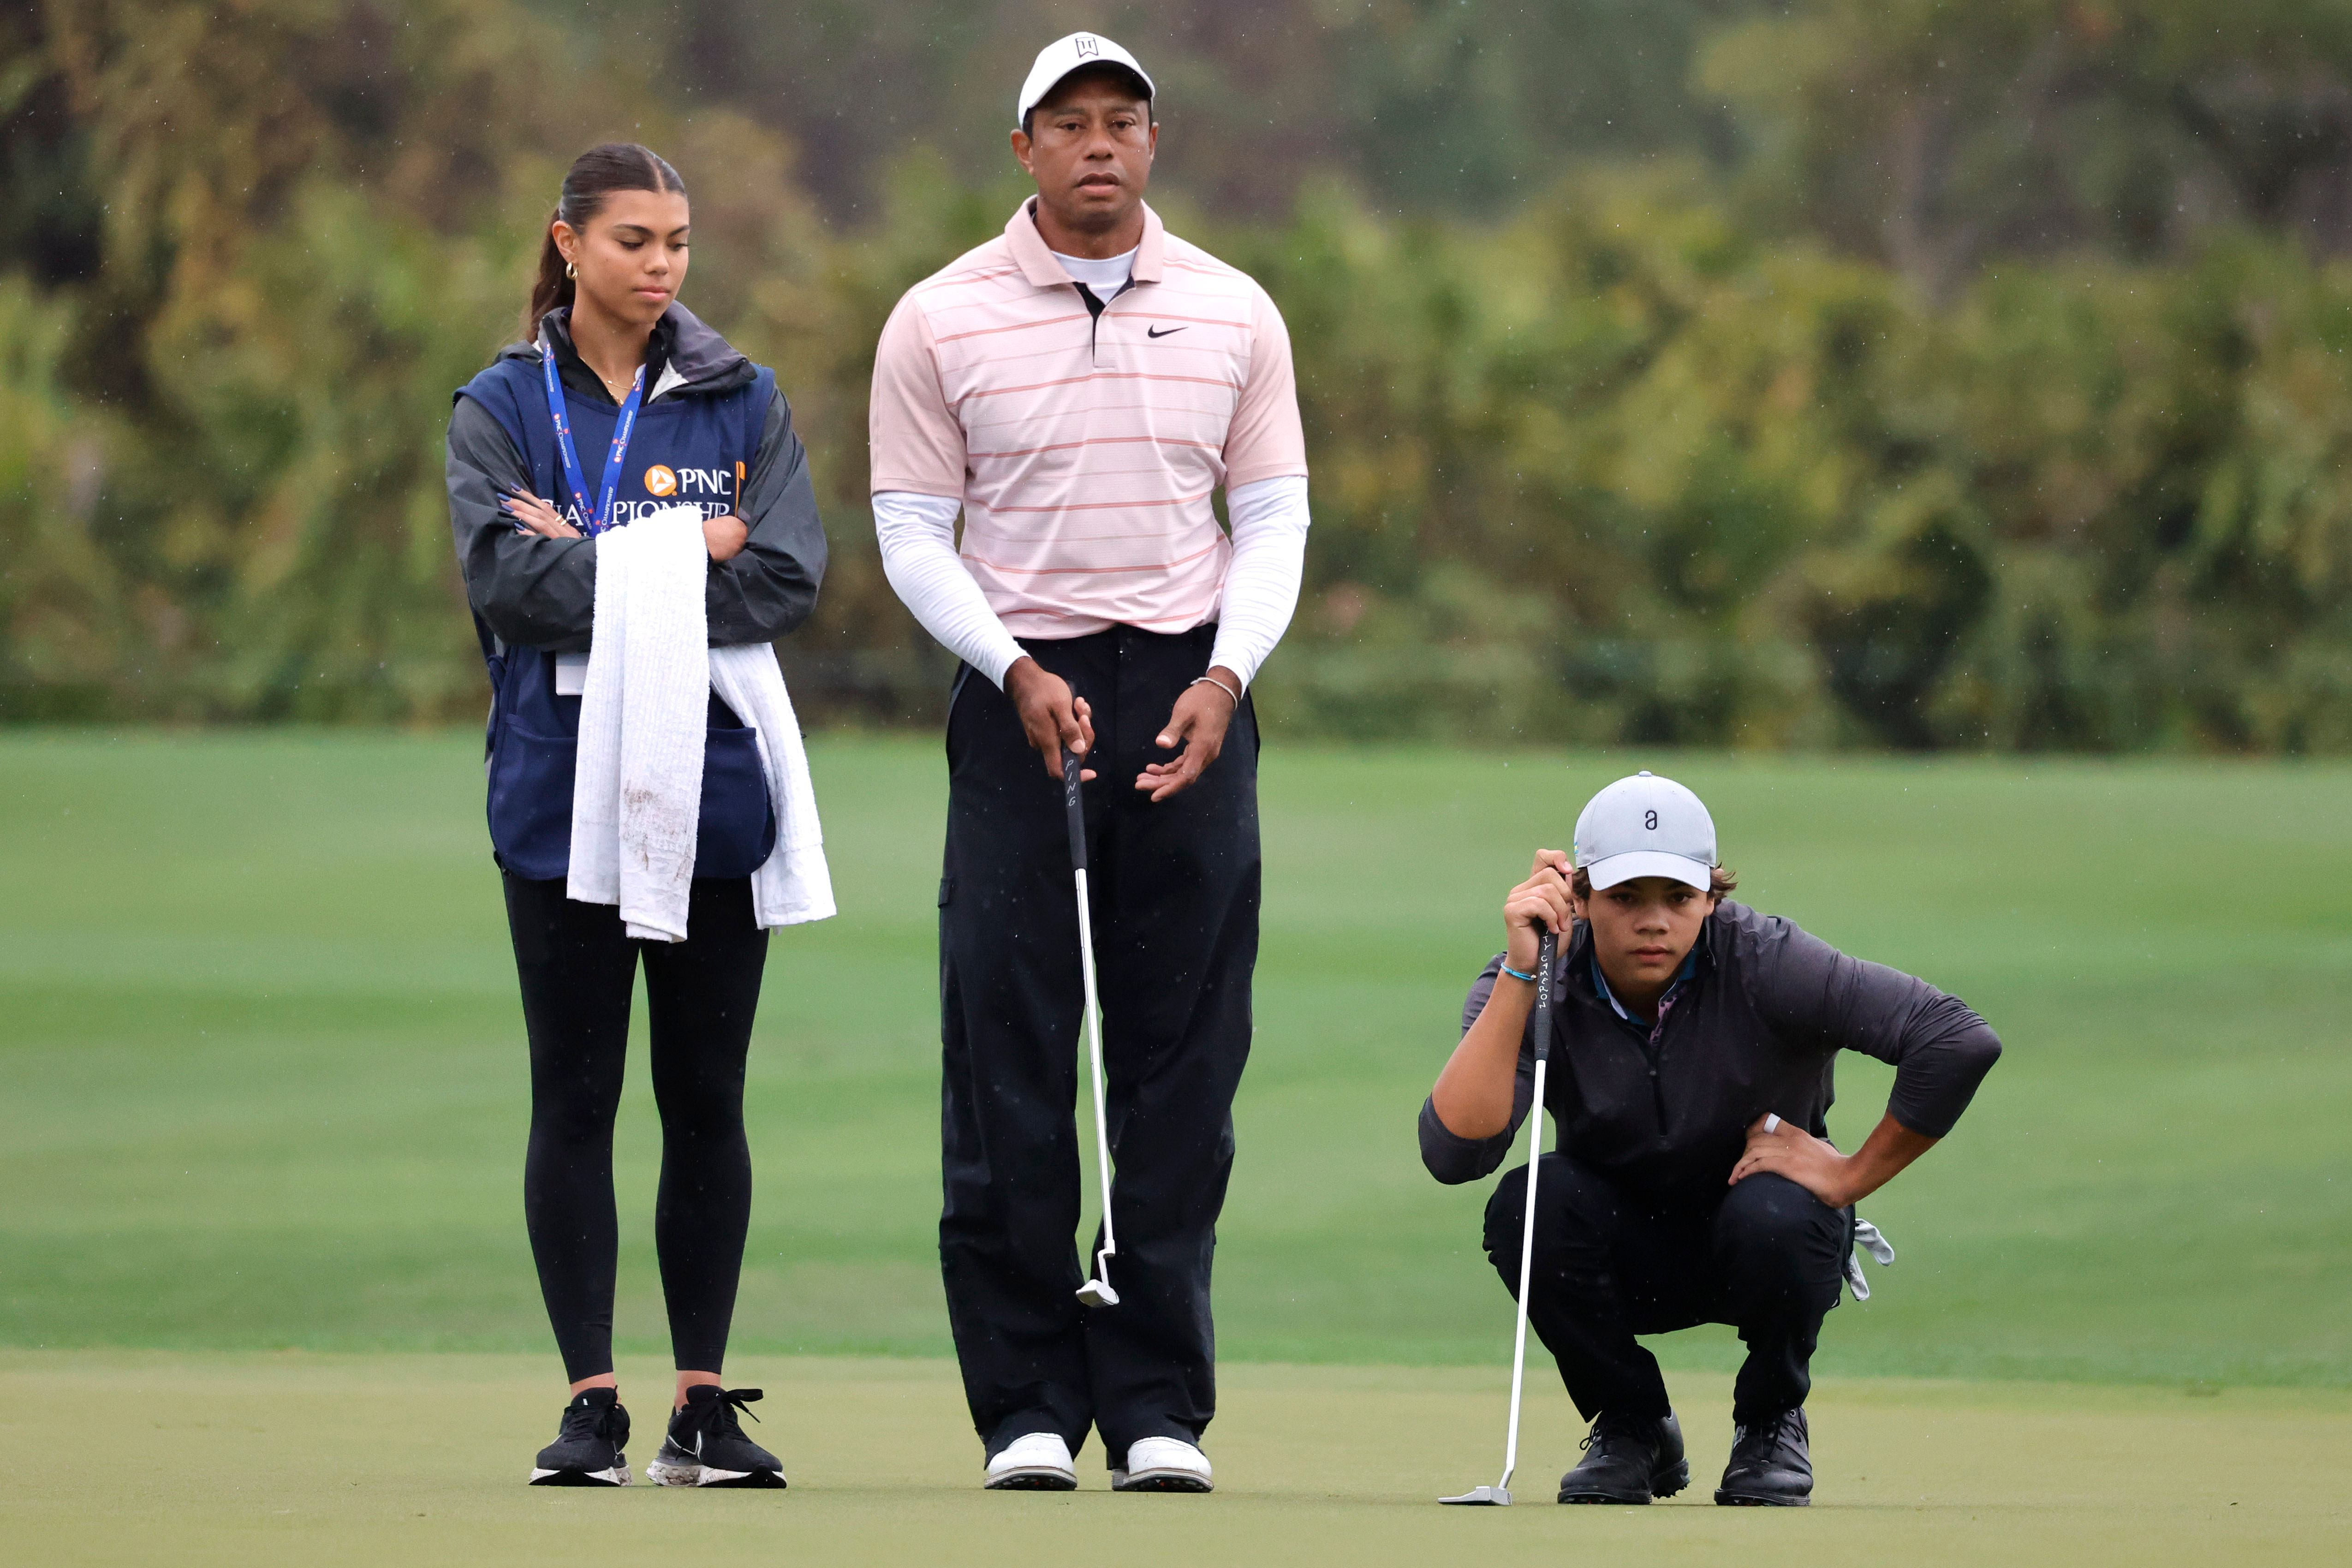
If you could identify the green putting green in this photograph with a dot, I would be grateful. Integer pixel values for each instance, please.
(358, 1460)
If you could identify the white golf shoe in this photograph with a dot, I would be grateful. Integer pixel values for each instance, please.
(1039, 1462)
(1162, 1465)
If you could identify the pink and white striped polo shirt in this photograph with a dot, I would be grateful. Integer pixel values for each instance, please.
(1084, 451)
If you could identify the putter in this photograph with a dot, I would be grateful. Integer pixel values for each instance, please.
(1096, 1290)
(1499, 1494)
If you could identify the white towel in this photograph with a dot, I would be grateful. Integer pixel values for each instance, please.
(637, 791)
(793, 884)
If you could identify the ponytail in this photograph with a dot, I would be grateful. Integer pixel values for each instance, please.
(552, 291)
(593, 176)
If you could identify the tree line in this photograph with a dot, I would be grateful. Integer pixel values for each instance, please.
(1947, 376)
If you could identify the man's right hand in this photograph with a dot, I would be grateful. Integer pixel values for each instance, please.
(1545, 898)
(1054, 720)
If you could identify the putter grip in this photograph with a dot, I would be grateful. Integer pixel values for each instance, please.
(1076, 809)
(1547, 950)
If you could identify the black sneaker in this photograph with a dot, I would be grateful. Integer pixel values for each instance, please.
(706, 1445)
(1771, 1465)
(1628, 1459)
(587, 1451)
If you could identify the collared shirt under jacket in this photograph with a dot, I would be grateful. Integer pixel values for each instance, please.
(1755, 1028)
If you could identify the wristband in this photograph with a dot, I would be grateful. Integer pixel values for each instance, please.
(1234, 696)
(1517, 975)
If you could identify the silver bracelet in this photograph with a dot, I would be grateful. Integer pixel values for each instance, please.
(1220, 685)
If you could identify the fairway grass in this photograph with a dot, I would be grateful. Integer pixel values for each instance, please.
(265, 1295)
(262, 1081)
(398, 1460)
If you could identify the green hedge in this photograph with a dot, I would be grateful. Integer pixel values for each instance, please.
(1618, 468)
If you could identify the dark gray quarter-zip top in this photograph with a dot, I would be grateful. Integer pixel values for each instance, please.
(1755, 1027)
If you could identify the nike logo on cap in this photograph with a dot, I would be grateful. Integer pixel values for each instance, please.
(1156, 332)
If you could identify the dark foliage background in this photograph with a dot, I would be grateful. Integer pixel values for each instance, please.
(1888, 372)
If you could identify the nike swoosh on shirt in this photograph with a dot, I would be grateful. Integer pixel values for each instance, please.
(1156, 332)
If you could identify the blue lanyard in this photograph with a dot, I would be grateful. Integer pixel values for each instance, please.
(602, 517)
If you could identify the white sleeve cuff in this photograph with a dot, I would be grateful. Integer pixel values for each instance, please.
(917, 533)
(1269, 521)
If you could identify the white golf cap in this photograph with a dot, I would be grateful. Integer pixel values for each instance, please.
(1063, 56)
(1646, 826)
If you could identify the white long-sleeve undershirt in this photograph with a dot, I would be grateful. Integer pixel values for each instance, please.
(917, 533)
(1269, 519)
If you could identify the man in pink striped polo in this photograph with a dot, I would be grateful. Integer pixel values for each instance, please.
(1079, 389)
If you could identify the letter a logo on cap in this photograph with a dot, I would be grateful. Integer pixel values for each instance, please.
(1646, 826)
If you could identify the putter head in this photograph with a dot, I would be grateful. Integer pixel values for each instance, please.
(1482, 1497)
(1098, 1293)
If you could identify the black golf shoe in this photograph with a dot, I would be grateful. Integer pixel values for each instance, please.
(706, 1445)
(1628, 1459)
(1770, 1466)
(587, 1450)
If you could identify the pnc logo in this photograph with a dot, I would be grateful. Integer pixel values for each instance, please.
(661, 480)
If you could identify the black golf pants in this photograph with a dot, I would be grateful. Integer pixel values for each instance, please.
(1174, 892)
(1768, 1258)
(578, 968)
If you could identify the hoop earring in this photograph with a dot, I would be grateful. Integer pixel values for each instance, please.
(571, 270)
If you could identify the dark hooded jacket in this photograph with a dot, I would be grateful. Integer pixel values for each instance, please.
(534, 592)
(1755, 1027)
(713, 433)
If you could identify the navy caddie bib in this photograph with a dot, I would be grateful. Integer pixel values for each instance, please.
(684, 450)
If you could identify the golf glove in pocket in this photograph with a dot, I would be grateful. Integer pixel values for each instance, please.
(1866, 1238)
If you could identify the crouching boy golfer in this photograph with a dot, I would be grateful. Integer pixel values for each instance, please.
(1692, 1057)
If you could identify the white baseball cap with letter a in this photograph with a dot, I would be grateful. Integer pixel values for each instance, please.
(1646, 826)
(1063, 56)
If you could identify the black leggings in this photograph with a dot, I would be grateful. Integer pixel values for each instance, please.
(578, 967)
